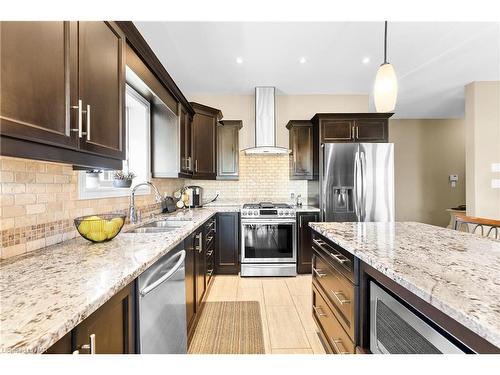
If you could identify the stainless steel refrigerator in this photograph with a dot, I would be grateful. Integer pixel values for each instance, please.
(357, 182)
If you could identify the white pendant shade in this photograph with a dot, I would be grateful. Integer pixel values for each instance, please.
(386, 88)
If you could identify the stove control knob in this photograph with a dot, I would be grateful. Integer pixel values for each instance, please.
(280, 213)
(256, 213)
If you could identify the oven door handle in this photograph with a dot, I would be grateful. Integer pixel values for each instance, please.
(267, 222)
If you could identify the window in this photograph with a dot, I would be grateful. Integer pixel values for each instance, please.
(99, 184)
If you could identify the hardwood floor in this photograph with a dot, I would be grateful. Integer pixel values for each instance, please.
(285, 305)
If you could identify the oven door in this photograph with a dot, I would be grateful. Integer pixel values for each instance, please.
(268, 241)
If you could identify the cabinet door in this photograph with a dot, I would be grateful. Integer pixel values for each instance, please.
(337, 130)
(227, 152)
(371, 130)
(34, 89)
(301, 143)
(200, 267)
(190, 280)
(185, 141)
(204, 145)
(305, 252)
(110, 329)
(101, 85)
(228, 243)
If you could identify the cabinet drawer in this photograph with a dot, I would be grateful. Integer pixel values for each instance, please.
(342, 261)
(333, 332)
(339, 291)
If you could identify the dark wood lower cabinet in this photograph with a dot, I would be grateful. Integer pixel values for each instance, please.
(190, 280)
(109, 330)
(228, 243)
(304, 240)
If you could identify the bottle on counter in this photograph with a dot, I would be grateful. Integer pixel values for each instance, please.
(299, 200)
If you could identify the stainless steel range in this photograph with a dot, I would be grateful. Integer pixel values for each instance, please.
(268, 240)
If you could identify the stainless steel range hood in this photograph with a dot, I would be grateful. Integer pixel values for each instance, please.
(265, 123)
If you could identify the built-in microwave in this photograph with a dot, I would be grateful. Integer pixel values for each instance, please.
(395, 329)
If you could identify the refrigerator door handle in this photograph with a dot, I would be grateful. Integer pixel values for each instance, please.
(362, 164)
(356, 187)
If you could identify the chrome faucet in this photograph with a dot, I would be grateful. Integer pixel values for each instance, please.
(133, 210)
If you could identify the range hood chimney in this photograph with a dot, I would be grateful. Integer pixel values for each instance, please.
(265, 123)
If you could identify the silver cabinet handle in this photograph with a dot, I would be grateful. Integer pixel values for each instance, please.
(76, 352)
(338, 346)
(199, 247)
(319, 273)
(80, 111)
(209, 253)
(165, 277)
(339, 258)
(88, 122)
(196, 165)
(91, 345)
(318, 311)
(343, 300)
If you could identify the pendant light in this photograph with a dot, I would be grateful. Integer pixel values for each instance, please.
(385, 90)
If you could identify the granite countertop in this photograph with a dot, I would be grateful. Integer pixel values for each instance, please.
(46, 293)
(456, 272)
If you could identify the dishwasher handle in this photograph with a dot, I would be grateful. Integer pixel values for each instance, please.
(165, 277)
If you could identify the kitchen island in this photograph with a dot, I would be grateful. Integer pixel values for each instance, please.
(452, 278)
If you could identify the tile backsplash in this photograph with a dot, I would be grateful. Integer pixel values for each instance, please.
(39, 201)
(261, 177)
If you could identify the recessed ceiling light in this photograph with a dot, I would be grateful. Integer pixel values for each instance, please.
(239, 60)
(365, 60)
(302, 60)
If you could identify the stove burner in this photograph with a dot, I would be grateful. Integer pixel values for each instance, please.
(264, 205)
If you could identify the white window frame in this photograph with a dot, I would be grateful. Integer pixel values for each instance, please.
(111, 191)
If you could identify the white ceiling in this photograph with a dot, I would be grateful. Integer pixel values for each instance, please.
(433, 60)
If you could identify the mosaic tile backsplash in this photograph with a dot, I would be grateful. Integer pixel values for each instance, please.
(39, 200)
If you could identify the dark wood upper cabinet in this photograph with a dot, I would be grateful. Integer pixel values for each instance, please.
(337, 130)
(110, 329)
(228, 243)
(204, 140)
(34, 89)
(186, 142)
(62, 89)
(101, 87)
(352, 127)
(371, 130)
(304, 240)
(301, 145)
(228, 149)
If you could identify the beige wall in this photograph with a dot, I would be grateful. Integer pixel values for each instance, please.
(482, 119)
(426, 153)
(288, 107)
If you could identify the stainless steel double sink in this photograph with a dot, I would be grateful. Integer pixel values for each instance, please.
(160, 226)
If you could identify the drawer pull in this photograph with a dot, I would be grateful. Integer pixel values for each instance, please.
(319, 311)
(90, 346)
(339, 258)
(209, 253)
(319, 273)
(338, 346)
(341, 298)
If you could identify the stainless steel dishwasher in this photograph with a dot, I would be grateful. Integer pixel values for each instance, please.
(162, 305)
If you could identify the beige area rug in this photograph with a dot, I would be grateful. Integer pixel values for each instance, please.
(229, 328)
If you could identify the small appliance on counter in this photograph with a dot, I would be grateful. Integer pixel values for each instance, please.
(194, 196)
(169, 205)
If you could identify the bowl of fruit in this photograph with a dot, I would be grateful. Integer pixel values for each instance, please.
(100, 228)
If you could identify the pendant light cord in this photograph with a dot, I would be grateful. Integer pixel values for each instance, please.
(385, 43)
